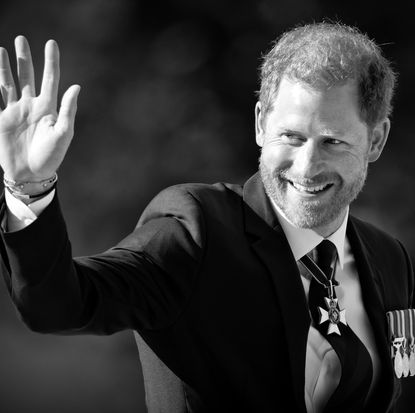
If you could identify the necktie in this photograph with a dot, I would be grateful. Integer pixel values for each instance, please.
(330, 321)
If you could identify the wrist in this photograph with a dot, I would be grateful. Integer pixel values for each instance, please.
(28, 190)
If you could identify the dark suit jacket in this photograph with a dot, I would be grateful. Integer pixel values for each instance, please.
(208, 280)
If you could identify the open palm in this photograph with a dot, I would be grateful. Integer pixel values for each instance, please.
(34, 136)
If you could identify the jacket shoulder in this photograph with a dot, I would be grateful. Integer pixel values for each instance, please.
(188, 199)
(376, 240)
(390, 256)
(191, 204)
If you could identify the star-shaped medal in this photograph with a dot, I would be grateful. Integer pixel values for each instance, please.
(334, 315)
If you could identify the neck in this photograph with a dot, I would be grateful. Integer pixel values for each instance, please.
(328, 229)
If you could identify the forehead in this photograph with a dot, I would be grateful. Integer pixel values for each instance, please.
(298, 102)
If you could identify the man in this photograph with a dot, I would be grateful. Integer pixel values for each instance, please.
(262, 298)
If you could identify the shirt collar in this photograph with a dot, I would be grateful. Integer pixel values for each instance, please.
(302, 240)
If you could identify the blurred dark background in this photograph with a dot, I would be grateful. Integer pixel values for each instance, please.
(168, 92)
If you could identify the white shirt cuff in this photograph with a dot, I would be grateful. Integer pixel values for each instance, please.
(19, 215)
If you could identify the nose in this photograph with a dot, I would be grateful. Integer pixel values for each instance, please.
(308, 160)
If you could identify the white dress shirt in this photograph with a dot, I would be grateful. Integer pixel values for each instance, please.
(322, 369)
(20, 215)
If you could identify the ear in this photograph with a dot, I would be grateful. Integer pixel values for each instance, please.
(259, 122)
(378, 139)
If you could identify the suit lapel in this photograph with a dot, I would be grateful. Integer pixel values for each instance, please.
(375, 308)
(271, 246)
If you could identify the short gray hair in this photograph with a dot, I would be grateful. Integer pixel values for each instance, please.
(325, 54)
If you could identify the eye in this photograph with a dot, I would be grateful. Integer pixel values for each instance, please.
(292, 138)
(333, 141)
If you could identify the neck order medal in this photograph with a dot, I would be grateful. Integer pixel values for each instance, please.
(333, 314)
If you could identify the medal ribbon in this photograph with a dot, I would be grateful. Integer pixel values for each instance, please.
(318, 274)
(411, 343)
(405, 358)
(402, 337)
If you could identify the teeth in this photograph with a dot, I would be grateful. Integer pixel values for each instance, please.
(311, 189)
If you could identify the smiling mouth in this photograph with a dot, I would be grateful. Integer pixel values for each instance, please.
(310, 189)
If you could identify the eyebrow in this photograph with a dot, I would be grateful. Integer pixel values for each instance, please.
(331, 132)
(328, 133)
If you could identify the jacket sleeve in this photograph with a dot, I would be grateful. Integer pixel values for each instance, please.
(144, 282)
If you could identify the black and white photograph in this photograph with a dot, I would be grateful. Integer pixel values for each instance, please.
(207, 207)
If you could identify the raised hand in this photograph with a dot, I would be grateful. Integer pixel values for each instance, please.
(34, 136)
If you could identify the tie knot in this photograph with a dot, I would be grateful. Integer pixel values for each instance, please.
(326, 254)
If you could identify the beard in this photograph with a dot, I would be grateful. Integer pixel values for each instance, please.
(311, 213)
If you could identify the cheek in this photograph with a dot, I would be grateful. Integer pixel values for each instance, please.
(276, 157)
(352, 164)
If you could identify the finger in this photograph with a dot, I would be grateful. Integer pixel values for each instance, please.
(7, 86)
(51, 74)
(66, 116)
(24, 67)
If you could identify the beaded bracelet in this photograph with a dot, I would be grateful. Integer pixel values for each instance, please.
(17, 189)
(26, 197)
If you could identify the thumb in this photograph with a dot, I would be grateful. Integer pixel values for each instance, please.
(66, 116)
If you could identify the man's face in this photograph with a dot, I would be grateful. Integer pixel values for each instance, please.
(315, 152)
